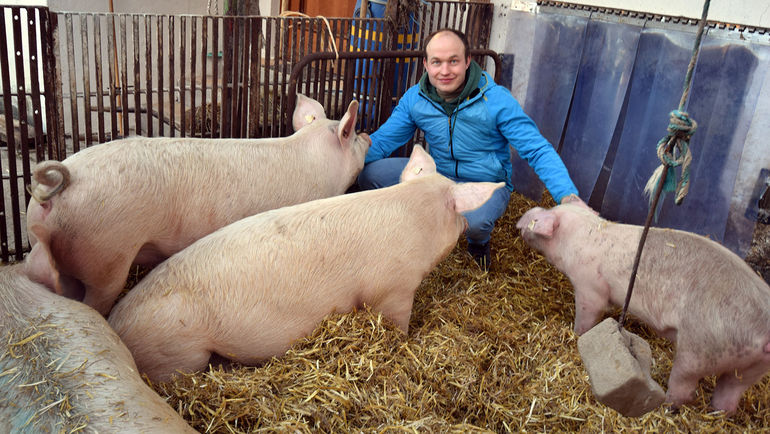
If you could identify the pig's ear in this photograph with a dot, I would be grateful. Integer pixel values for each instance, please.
(544, 225)
(306, 111)
(39, 265)
(347, 127)
(420, 164)
(471, 195)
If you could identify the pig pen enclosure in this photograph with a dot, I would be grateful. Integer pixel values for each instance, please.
(486, 352)
(88, 78)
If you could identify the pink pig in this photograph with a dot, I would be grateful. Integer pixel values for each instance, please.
(64, 369)
(140, 200)
(689, 289)
(250, 289)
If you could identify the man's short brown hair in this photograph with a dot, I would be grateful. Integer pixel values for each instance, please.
(459, 34)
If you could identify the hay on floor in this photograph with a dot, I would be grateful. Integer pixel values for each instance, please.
(486, 351)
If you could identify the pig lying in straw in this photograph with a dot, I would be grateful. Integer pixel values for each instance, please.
(63, 369)
(140, 200)
(249, 290)
(689, 289)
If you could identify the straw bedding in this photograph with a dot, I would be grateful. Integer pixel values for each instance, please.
(486, 352)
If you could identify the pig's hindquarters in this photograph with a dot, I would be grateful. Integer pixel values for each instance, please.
(706, 301)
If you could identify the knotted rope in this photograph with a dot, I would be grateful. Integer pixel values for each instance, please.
(680, 129)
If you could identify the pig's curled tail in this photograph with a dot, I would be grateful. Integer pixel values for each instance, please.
(52, 174)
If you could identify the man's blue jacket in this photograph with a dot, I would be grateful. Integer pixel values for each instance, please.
(471, 144)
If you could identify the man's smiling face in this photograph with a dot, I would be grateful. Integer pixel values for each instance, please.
(446, 63)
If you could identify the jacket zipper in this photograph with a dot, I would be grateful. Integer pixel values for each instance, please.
(451, 143)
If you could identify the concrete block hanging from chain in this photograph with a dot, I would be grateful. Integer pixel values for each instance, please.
(618, 364)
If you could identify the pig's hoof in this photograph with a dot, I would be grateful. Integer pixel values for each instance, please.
(672, 409)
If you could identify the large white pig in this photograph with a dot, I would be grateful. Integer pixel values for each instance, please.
(63, 369)
(247, 291)
(689, 289)
(139, 200)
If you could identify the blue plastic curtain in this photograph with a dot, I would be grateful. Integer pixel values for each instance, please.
(601, 93)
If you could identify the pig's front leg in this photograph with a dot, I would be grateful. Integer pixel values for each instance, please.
(591, 300)
(398, 309)
(683, 379)
(176, 354)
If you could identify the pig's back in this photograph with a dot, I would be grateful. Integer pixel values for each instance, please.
(69, 350)
(370, 222)
(172, 181)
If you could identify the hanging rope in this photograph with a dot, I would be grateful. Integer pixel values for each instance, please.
(680, 129)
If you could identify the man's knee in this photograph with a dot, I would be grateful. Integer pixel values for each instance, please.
(480, 231)
(381, 173)
(365, 181)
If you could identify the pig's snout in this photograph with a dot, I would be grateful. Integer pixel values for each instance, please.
(522, 223)
(364, 136)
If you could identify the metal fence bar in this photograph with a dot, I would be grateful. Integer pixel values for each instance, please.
(137, 74)
(21, 57)
(216, 115)
(267, 95)
(54, 90)
(102, 137)
(112, 61)
(73, 85)
(254, 77)
(239, 33)
(161, 91)
(171, 85)
(148, 74)
(182, 80)
(33, 18)
(5, 80)
(124, 75)
(207, 111)
(86, 76)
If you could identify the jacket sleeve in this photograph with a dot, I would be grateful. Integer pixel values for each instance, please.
(522, 133)
(396, 131)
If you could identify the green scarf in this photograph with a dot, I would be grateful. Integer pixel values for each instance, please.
(472, 76)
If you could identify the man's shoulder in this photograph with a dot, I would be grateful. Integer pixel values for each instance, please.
(487, 85)
(498, 97)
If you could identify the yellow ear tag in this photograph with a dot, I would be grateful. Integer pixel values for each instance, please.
(309, 119)
(417, 170)
(531, 225)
